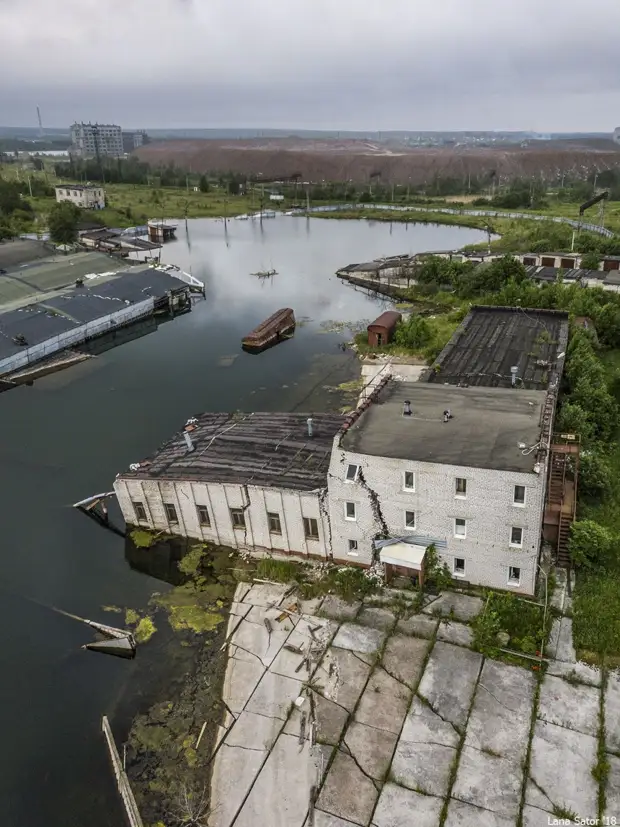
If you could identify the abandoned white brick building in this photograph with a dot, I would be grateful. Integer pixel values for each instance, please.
(464, 460)
(252, 481)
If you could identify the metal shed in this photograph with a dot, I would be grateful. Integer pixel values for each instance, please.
(381, 331)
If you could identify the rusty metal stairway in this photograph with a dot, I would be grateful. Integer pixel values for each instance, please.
(563, 554)
(562, 490)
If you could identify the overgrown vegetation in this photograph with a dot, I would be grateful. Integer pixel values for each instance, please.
(521, 620)
(343, 581)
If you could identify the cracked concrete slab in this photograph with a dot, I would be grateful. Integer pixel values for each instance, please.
(404, 657)
(461, 814)
(255, 639)
(560, 763)
(569, 705)
(397, 805)
(612, 713)
(489, 781)
(459, 606)
(253, 731)
(310, 607)
(341, 677)
(560, 644)
(384, 703)
(612, 809)
(533, 817)
(501, 715)
(418, 626)
(457, 633)
(536, 797)
(371, 748)
(285, 760)
(323, 819)
(242, 677)
(359, 638)
(257, 614)
(330, 719)
(423, 767)
(376, 617)
(266, 594)
(337, 609)
(234, 772)
(449, 680)
(423, 726)
(347, 792)
(274, 695)
(579, 671)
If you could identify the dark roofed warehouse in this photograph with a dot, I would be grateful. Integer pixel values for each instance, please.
(263, 449)
(493, 340)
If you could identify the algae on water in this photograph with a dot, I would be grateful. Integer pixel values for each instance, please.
(142, 538)
(145, 630)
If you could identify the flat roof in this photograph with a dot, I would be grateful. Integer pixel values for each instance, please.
(265, 449)
(492, 340)
(486, 428)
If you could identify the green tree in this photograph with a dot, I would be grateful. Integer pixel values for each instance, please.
(414, 333)
(63, 222)
(590, 544)
(204, 184)
(590, 261)
(594, 473)
(573, 419)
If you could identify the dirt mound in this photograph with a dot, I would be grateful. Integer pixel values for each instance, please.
(336, 160)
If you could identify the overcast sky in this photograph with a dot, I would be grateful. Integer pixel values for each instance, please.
(544, 65)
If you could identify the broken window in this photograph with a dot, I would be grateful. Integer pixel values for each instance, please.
(311, 528)
(460, 528)
(461, 487)
(352, 552)
(171, 513)
(516, 536)
(410, 519)
(459, 566)
(352, 473)
(237, 515)
(203, 515)
(349, 511)
(519, 495)
(140, 511)
(514, 575)
(274, 523)
(409, 481)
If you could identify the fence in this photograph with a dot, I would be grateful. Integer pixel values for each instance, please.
(124, 788)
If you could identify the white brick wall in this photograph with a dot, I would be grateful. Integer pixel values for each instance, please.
(488, 510)
(291, 506)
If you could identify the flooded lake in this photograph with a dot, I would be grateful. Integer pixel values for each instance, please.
(67, 437)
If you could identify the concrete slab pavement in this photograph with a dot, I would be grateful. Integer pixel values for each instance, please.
(461, 814)
(404, 657)
(347, 792)
(457, 633)
(449, 681)
(462, 607)
(359, 638)
(398, 807)
(569, 705)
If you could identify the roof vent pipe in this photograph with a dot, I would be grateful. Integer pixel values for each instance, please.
(309, 424)
(188, 442)
(406, 408)
(514, 370)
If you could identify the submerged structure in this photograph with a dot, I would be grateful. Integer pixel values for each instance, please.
(272, 330)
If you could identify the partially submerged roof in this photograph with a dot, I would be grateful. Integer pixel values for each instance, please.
(492, 340)
(265, 449)
(485, 430)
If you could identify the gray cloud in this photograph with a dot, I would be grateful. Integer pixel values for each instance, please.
(350, 64)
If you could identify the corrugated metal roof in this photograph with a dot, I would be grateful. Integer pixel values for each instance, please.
(387, 319)
(34, 323)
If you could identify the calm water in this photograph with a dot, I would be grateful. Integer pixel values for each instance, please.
(68, 436)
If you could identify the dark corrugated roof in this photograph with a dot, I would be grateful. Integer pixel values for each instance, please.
(264, 449)
(34, 323)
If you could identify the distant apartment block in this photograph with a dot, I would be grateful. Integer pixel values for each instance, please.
(90, 140)
(88, 198)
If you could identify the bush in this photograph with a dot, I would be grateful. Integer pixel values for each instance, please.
(414, 333)
(590, 544)
(594, 473)
(590, 261)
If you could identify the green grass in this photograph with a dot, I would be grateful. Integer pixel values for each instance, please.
(346, 582)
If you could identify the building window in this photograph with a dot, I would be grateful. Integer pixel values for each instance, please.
(352, 471)
(203, 515)
(171, 513)
(516, 536)
(519, 495)
(409, 519)
(237, 515)
(311, 528)
(352, 552)
(140, 512)
(350, 511)
(409, 481)
(274, 523)
(459, 567)
(460, 489)
(514, 575)
(460, 528)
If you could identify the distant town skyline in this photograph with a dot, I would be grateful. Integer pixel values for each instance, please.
(476, 65)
